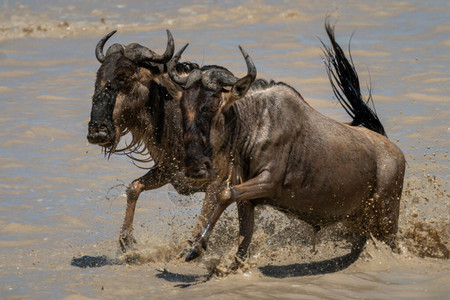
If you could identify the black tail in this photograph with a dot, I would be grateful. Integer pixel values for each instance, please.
(345, 83)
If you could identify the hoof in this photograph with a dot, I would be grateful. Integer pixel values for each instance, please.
(183, 253)
(237, 263)
(127, 244)
(192, 255)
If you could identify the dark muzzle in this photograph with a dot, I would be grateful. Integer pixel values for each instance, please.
(98, 133)
(199, 169)
(101, 126)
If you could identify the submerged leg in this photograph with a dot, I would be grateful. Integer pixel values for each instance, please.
(387, 202)
(209, 203)
(153, 179)
(358, 245)
(386, 213)
(260, 186)
(246, 213)
(200, 242)
(315, 238)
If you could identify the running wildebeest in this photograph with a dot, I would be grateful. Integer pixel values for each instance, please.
(264, 144)
(133, 94)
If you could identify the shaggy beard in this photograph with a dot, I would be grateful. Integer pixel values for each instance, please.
(137, 147)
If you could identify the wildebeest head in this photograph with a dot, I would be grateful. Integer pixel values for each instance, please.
(121, 85)
(207, 93)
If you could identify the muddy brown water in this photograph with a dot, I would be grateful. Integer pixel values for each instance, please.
(62, 202)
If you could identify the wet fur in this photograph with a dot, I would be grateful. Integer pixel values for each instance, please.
(145, 106)
(271, 147)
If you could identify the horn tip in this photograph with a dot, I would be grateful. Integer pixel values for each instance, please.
(169, 34)
(243, 51)
(184, 48)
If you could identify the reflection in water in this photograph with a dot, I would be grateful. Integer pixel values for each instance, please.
(62, 201)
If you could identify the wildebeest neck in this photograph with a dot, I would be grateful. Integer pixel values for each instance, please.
(252, 124)
(158, 95)
(144, 115)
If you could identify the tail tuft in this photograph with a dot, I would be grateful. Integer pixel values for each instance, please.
(345, 83)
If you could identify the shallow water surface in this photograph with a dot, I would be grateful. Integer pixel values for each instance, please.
(62, 202)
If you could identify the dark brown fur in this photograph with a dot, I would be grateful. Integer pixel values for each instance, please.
(269, 146)
(136, 96)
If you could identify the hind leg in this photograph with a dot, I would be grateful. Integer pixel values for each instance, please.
(386, 213)
(246, 212)
(386, 202)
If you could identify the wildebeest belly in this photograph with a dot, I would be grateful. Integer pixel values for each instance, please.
(319, 208)
(328, 192)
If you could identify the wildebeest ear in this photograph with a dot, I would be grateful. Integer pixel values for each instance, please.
(240, 88)
(174, 89)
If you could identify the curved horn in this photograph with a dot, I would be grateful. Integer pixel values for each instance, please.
(215, 79)
(173, 74)
(99, 48)
(170, 49)
(251, 69)
(139, 53)
(240, 88)
(167, 55)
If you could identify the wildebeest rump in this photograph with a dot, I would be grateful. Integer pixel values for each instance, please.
(133, 94)
(266, 145)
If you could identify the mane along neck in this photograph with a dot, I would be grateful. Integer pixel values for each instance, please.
(146, 124)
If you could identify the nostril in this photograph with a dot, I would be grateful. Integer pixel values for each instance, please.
(101, 129)
(97, 133)
(96, 128)
(199, 171)
(101, 135)
(202, 169)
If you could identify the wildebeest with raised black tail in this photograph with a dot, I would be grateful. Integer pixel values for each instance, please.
(266, 145)
(133, 94)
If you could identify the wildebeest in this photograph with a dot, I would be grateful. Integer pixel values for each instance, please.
(264, 144)
(133, 94)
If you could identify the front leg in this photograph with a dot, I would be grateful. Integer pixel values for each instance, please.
(154, 178)
(208, 205)
(258, 187)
